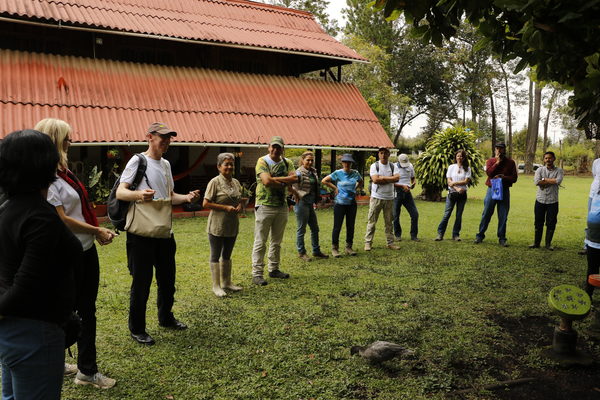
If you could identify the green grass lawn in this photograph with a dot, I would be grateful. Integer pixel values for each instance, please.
(290, 340)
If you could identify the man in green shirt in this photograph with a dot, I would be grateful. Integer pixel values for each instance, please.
(274, 177)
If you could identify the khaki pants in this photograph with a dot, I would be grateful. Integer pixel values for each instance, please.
(269, 220)
(375, 207)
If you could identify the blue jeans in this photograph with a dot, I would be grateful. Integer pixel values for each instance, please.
(32, 354)
(460, 206)
(339, 212)
(488, 211)
(305, 214)
(405, 199)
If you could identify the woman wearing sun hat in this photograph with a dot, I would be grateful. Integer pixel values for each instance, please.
(344, 182)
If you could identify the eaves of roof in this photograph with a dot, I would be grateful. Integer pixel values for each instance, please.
(113, 102)
(221, 22)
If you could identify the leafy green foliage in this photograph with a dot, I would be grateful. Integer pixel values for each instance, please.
(559, 39)
(433, 163)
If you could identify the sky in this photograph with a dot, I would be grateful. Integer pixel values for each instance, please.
(335, 12)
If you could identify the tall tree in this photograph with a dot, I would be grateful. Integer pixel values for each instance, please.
(559, 38)
(533, 128)
(549, 107)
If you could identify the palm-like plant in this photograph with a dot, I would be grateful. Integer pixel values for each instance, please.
(439, 153)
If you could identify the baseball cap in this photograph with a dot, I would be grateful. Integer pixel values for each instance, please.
(347, 158)
(403, 160)
(161, 129)
(278, 140)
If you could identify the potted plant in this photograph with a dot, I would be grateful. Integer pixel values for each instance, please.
(99, 188)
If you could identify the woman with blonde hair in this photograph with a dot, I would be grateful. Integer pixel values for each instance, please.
(70, 198)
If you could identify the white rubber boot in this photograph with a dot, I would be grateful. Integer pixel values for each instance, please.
(215, 270)
(226, 277)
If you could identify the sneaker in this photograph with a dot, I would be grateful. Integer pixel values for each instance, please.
(549, 247)
(503, 243)
(367, 246)
(439, 238)
(321, 255)
(456, 238)
(393, 247)
(97, 380)
(70, 369)
(259, 280)
(534, 246)
(278, 274)
(335, 252)
(477, 241)
(415, 239)
(397, 238)
(304, 257)
(349, 251)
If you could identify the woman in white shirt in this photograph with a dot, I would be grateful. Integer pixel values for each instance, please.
(459, 177)
(70, 198)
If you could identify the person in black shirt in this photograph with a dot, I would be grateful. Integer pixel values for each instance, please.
(37, 282)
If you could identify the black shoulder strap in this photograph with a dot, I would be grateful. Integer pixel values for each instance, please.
(141, 172)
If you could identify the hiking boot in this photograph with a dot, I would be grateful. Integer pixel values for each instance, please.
(549, 247)
(335, 252)
(278, 274)
(456, 238)
(320, 255)
(349, 251)
(397, 238)
(534, 246)
(503, 243)
(393, 247)
(70, 369)
(259, 280)
(415, 239)
(477, 240)
(439, 238)
(304, 257)
(97, 380)
(367, 246)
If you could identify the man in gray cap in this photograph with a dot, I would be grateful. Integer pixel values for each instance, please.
(383, 177)
(143, 252)
(499, 166)
(274, 176)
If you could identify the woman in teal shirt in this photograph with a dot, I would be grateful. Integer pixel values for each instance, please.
(344, 183)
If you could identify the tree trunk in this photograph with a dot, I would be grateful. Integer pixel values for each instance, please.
(430, 194)
(546, 122)
(508, 112)
(493, 111)
(533, 129)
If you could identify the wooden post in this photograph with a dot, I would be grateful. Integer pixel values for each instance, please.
(318, 158)
(333, 160)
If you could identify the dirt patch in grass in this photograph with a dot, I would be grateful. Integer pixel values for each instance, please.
(528, 334)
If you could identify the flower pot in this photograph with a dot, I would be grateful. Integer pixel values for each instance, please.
(99, 210)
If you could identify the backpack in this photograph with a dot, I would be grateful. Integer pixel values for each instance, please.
(377, 168)
(117, 209)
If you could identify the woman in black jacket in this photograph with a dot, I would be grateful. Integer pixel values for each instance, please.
(38, 255)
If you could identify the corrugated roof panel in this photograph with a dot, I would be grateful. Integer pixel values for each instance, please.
(224, 21)
(110, 101)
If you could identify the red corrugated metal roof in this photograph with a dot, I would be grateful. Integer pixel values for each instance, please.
(110, 101)
(235, 22)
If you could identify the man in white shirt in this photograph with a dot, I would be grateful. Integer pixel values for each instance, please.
(144, 253)
(404, 197)
(383, 177)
